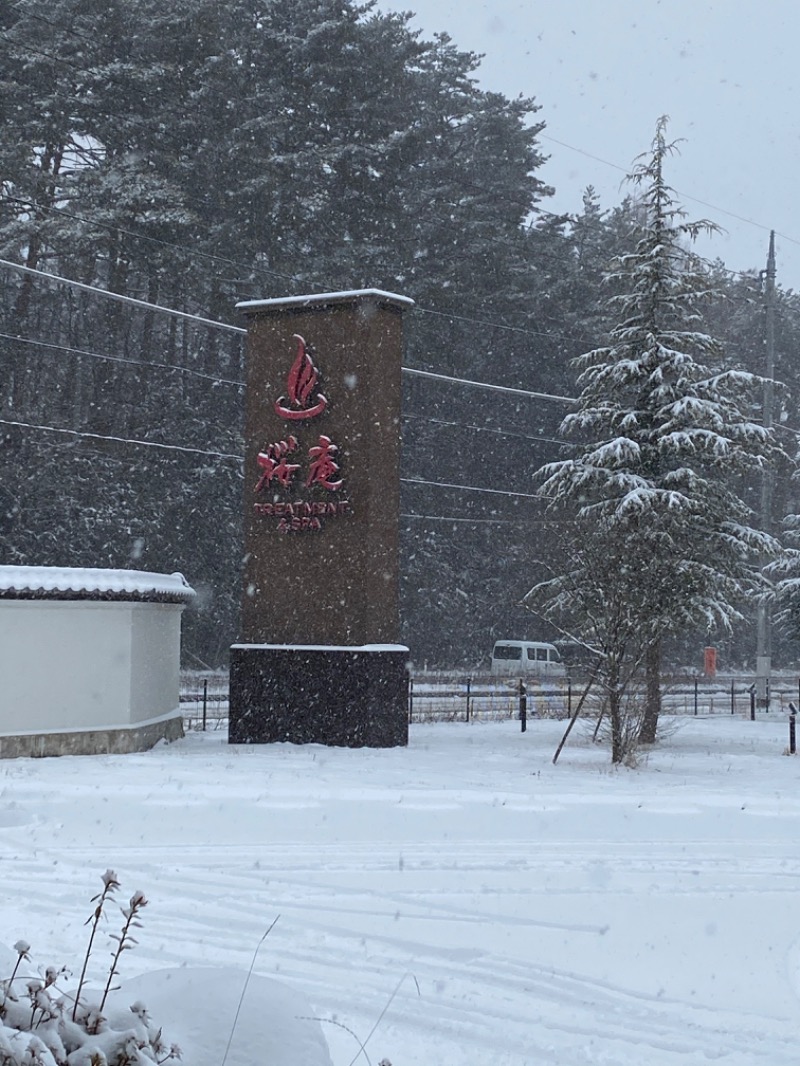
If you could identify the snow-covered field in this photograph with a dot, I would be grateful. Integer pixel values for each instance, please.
(523, 913)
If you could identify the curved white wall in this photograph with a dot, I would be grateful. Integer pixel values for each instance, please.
(82, 664)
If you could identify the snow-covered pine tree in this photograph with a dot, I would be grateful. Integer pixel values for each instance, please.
(660, 537)
(200, 153)
(785, 570)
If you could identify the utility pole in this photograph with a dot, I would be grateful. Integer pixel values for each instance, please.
(764, 627)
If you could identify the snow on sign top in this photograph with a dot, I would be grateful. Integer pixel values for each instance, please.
(56, 582)
(325, 298)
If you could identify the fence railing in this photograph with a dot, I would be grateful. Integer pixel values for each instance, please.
(459, 696)
(484, 697)
(204, 699)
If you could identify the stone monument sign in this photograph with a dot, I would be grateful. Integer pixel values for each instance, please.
(319, 658)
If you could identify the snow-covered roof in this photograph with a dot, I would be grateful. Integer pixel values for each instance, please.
(325, 298)
(72, 582)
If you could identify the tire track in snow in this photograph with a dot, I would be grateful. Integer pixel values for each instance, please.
(565, 1003)
(338, 932)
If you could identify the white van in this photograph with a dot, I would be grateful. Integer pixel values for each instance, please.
(513, 658)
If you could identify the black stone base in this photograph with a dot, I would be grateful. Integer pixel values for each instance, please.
(347, 697)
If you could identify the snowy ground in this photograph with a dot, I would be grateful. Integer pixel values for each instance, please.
(530, 914)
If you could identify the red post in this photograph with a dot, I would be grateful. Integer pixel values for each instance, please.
(710, 662)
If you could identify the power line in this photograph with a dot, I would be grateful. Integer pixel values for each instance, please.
(489, 429)
(237, 458)
(238, 329)
(527, 393)
(61, 29)
(686, 196)
(449, 379)
(492, 325)
(122, 299)
(265, 270)
(37, 52)
(581, 151)
(121, 359)
(471, 488)
(524, 331)
(240, 384)
(478, 521)
(123, 440)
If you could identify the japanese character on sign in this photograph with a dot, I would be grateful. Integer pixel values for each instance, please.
(319, 473)
(323, 466)
(274, 465)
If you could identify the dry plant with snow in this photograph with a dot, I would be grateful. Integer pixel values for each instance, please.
(44, 1024)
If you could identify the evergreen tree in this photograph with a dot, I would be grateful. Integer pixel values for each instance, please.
(198, 154)
(661, 539)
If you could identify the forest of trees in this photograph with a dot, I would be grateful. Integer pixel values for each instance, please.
(193, 155)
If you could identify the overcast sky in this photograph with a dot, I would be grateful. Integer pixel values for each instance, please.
(726, 73)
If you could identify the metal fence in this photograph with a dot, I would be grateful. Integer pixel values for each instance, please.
(458, 696)
(728, 694)
(204, 699)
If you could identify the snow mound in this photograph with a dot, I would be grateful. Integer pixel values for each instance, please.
(197, 1008)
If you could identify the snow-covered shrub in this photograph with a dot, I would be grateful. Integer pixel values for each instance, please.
(44, 1024)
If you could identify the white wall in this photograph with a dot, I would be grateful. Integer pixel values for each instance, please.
(84, 664)
(156, 658)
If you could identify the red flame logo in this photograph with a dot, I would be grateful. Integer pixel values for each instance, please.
(300, 384)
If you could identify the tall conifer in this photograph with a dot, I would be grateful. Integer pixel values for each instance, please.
(661, 539)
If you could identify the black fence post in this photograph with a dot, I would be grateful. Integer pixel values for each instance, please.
(410, 700)
(695, 696)
(523, 705)
(792, 721)
(205, 702)
(569, 697)
(733, 696)
(752, 703)
(469, 709)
